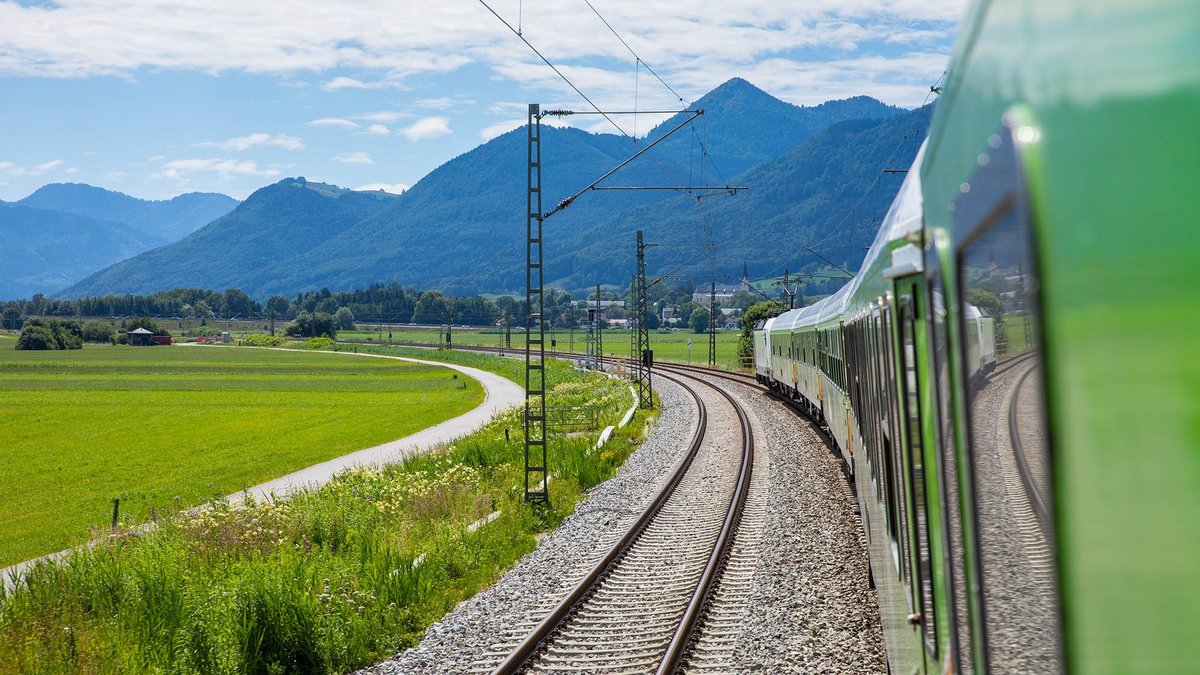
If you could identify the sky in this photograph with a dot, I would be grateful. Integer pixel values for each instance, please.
(155, 98)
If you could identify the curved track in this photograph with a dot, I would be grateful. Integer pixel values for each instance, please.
(639, 607)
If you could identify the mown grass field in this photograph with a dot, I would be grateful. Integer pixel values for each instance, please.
(168, 427)
(667, 345)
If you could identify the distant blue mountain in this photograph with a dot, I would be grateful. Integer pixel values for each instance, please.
(44, 251)
(462, 227)
(65, 231)
(163, 221)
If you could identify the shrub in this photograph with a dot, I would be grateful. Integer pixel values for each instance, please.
(317, 343)
(265, 341)
(319, 324)
(50, 334)
(98, 331)
(36, 337)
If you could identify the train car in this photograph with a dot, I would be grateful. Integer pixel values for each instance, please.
(1020, 381)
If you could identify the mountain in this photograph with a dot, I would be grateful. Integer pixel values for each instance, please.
(462, 227)
(274, 224)
(43, 251)
(161, 221)
(822, 194)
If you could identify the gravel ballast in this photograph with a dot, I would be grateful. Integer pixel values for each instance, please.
(809, 608)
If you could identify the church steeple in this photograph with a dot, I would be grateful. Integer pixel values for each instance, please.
(745, 276)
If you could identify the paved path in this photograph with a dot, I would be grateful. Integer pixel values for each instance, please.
(499, 393)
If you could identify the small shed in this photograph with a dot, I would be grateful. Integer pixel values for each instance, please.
(140, 337)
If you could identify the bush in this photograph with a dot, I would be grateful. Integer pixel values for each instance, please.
(36, 337)
(50, 334)
(699, 320)
(264, 341)
(317, 343)
(98, 331)
(319, 324)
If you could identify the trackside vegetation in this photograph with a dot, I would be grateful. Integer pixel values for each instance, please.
(327, 581)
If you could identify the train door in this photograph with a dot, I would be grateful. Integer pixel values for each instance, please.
(918, 473)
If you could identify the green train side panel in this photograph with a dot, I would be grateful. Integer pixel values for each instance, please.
(1114, 88)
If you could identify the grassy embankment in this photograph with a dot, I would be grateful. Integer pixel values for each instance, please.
(165, 428)
(667, 345)
(326, 582)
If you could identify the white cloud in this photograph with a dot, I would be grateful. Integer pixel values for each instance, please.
(442, 103)
(179, 169)
(382, 116)
(394, 188)
(243, 143)
(333, 122)
(12, 170)
(376, 130)
(427, 127)
(354, 158)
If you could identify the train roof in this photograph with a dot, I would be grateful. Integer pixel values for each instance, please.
(903, 218)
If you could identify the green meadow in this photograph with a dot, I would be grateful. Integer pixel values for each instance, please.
(163, 428)
(668, 345)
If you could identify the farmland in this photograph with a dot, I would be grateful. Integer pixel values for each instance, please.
(164, 428)
(668, 345)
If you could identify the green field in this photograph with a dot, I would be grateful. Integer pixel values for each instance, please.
(168, 427)
(667, 345)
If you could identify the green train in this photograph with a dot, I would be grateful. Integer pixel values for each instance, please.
(1013, 377)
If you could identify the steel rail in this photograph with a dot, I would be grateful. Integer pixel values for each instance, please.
(676, 650)
(532, 644)
(1034, 497)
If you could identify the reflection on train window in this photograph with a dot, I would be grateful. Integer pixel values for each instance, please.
(923, 579)
(1010, 457)
(960, 616)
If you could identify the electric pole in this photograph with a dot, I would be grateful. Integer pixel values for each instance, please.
(790, 291)
(535, 329)
(712, 325)
(645, 357)
(599, 332)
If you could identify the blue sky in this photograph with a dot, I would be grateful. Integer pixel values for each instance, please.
(159, 98)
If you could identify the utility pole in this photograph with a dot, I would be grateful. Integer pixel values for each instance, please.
(712, 325)
(535, 330)
(645, 357)
(599, 332)
(789, 290)
(449, 325)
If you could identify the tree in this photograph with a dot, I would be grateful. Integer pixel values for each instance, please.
(12, 317)
(202, 309)
(344, 318)
(699, 320)
(49, 334)
(742, 299)
(432, 308)
(278, 306)
(753, 314)
(319, 324)
(36, 337)
(144, 322)
(99, 331)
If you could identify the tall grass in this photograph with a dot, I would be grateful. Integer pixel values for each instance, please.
(327, 581)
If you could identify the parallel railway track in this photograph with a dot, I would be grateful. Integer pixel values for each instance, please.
(639, 608)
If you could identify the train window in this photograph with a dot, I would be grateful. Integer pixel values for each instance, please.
(892, 458)
(960, 616)
(1010, 455)
(910, 381)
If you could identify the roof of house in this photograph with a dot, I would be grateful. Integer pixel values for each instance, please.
(140, 331)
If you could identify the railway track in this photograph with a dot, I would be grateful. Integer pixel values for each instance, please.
(645, 606)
